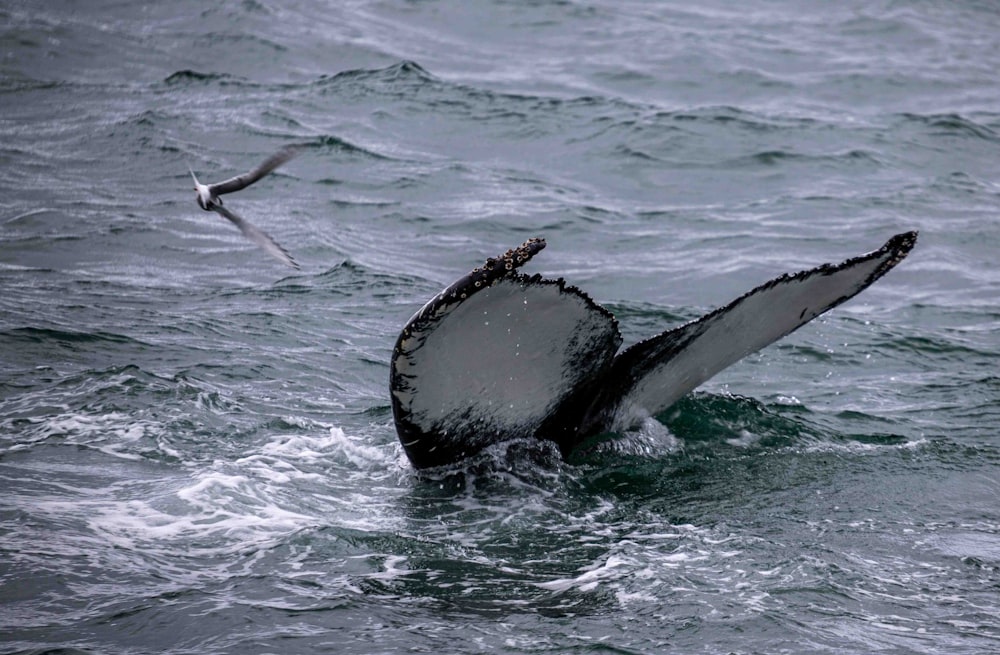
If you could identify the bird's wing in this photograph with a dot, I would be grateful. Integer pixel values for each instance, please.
(258, 236)
(245, 180)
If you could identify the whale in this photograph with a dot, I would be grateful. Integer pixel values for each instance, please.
(500, 355)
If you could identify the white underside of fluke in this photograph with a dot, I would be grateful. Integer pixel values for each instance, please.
(756, 320)
(502, 360)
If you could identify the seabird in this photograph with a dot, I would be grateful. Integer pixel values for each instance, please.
(207, 196)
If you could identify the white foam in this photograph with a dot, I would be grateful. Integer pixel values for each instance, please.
(230, 506)
(216, 514)
(589, 579)
(113, 433)
(745, 439)
(859, 447)
(334, 445)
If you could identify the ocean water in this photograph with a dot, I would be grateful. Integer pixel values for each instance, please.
(197, 453)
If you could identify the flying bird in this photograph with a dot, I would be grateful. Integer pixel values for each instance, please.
(208, 198)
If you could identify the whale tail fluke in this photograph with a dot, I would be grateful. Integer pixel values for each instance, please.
(499, 355)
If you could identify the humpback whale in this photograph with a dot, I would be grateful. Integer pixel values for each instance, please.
(500, 355)
(207, 197)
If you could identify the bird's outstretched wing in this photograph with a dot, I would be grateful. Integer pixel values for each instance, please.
(245, 180)
(258, 236)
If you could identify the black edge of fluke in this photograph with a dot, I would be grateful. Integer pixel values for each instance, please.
(479, 278)
(597, 391)
(493, 269)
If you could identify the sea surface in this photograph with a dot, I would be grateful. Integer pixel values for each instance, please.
(197, 452)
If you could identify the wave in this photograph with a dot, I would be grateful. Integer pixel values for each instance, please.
(406, 71)
(952, 124)
(768, 158)
(189, 77)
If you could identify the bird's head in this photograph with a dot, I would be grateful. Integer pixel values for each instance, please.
(202, 195)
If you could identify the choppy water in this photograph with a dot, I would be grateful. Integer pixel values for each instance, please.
(197, 453)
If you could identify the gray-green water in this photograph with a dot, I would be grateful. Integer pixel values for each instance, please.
(196, 448)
